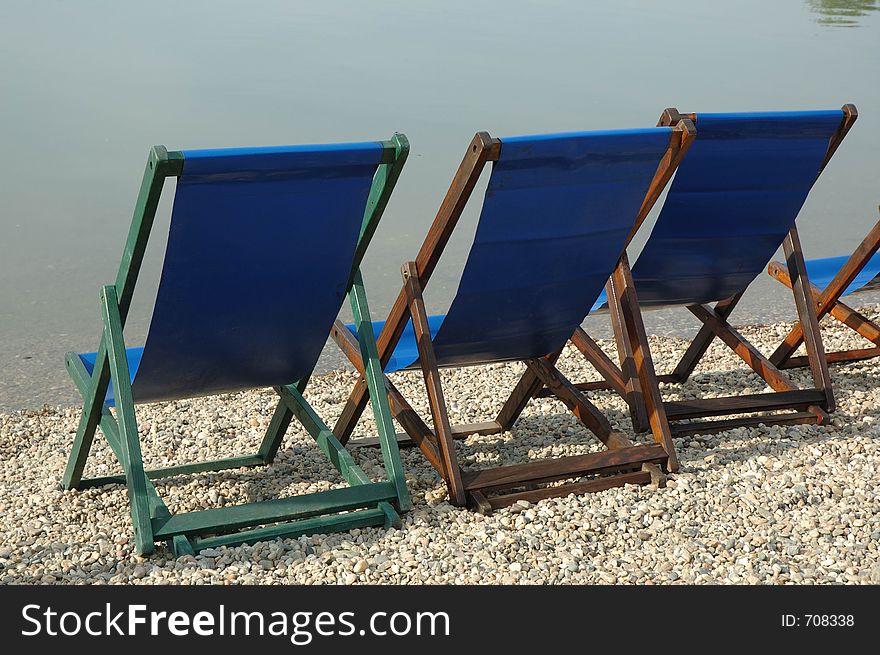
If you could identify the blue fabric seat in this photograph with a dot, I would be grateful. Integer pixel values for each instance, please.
(733, 200)
(555, 218)
(238, 306)
(821, 272)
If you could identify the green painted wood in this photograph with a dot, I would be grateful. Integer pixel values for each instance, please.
(378, 397)
(326, 440)
(392, 518)
(278, 425)
(110, 429)
(160, 164)
(243, 461)
(93, 402)
(132, 462)
(181, 546)
(320, 524)
(278, 509)
(383, 185)
(122, 435)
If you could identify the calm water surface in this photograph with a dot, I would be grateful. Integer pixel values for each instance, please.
(88, 87)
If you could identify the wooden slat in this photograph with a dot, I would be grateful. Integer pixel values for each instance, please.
(557, 469)
(589, 486)
(279, 509)
(755, 402)
(587, 413)
(526, 387)
(602, 385)
(625, 292)
(415, 427)
(633, 392)
(600, 361)
(710, 427)
(442, 430)
(840, 356)
(698, 347)
(806, 311)
(318, 524)
(753, 357)
(462, 431)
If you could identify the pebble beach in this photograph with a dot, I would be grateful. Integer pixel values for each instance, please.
(765, 505)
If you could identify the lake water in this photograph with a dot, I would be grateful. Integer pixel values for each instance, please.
(88, 87)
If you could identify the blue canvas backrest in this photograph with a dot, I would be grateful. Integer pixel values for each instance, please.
(555, 219)
(259, 253)
(734, 198)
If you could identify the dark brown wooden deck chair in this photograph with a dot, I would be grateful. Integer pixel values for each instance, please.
(732, 204)
(831, 278)
(557, 214)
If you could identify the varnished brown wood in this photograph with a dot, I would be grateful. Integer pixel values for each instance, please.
(587, 412)
(633, 390)
(806, 311)
(852, 266)
(715, 325)
(839, 310)
(699, 345)
(753, 358)
(589, 486)
(526, 387)
(680, 141)
(481, 150)
(850, 115)
(442, 430)
(711, 427)
(601, 385)
(479, 503)
(624, 293)
(420, 434)
(551, 470)
(755, 402)
(828, 300)
(462, 431)
(837, 357)
(600, 361)
(542, 371)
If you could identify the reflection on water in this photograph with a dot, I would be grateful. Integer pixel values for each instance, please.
(88, 87)
(842, 13)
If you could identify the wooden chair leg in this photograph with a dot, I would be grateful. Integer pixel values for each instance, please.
(753, 358)
(633, 394)
(481, 150)
(428, 362)
(806, 310)
(132, 460)
(600, 361)
(377, 391)
(565, 391)
(90, 417)
(830, 296)
(700, 344)
(352, 411)
(412, 423)
(632, 322)
(840, 311)
(526, 389)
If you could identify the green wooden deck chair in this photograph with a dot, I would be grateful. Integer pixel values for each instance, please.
(263, 247)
